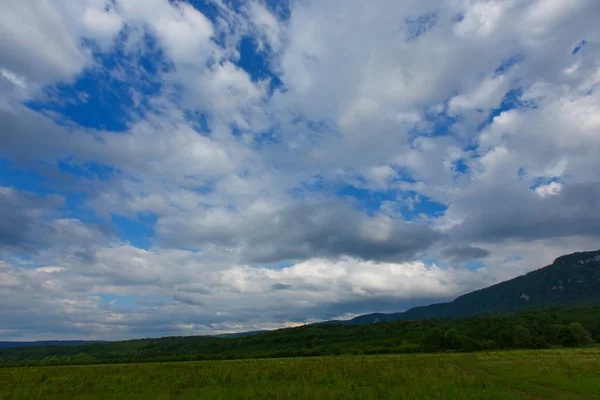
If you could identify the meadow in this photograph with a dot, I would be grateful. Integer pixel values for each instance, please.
(515, 374)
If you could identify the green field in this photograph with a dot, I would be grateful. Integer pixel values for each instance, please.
(535, 374)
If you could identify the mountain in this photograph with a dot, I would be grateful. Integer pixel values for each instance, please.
(570, 281)
(5, 345)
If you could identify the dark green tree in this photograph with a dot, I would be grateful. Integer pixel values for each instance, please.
(522, 337)
(451, 339)
(583, 336)
(433, 340)
(566, 337)
(506, 339)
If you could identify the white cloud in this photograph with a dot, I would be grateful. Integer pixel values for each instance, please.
(42, 30)
(103, 24)
(185, 33)
(551, 189)
(14, 78)
(493, 87)
(267, 25)
(317, 289)
(482, 18)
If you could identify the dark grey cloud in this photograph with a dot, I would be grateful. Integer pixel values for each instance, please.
(498, 213)
(22, 217)
(464, 253)
(26, 134)
(333, 230)
(30, 223)
(303, 231)
(281, 286)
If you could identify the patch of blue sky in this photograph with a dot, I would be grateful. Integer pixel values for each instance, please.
(420, 205)
(511, 100)
(195, 250)
(199, 120)
(313, 185)
(11, 175)
(403, 175)
(128, 301)
(592, 89)
(207, 8)
(542, 181)
(259, 139)
(265, 138)
(251, 60)
(318, 127)
(367, 200)
(89, 170)
(236, 131)
(508, 64)
(411, 205)
(280, 8)
(429, 261)
(75, 207)
(439, 124)
(579, 47)
(203, 187)
(74, 195)
(138, 232)
(104, 97)
(255, 62)
(416, 27)
(458, 17)
(23, 259)
(280, 265)
(474, 265)
(471, 147)
(460, 167)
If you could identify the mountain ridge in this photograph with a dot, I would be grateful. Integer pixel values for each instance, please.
(571, 280)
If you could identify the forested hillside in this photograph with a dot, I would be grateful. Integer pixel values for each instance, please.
(530, 329)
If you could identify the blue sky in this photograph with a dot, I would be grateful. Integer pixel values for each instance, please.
(177, 168)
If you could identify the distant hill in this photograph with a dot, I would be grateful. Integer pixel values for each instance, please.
(239, 334)
(570, 281)
(6, 345)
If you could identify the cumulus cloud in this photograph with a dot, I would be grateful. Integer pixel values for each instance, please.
(228, 297)
(28, 224)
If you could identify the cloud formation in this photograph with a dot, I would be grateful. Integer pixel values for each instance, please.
(174, 167)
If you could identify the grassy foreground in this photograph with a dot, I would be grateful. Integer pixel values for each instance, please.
(535, 374)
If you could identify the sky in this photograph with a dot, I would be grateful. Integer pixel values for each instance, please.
(193, 168)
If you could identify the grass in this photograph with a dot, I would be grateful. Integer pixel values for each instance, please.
(539, 374)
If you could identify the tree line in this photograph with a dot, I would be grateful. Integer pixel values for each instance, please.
(525, 330)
